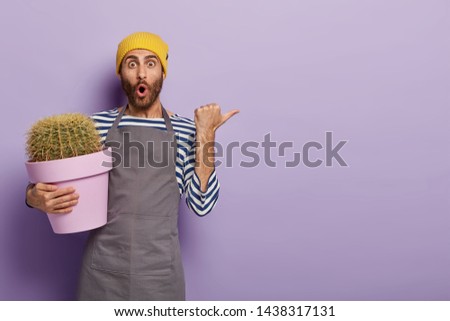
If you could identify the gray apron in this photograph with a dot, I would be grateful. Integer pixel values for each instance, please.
(136, 255)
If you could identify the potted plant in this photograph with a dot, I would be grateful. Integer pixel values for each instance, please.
(65, 150)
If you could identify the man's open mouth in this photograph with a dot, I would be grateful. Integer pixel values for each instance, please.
(141, 90)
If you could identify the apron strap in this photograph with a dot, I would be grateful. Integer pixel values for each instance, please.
(167, 120)
(171, 131)
(116, 122)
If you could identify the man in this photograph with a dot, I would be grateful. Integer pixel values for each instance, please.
(136, 255)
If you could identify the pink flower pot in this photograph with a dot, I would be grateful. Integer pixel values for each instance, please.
(88, 174)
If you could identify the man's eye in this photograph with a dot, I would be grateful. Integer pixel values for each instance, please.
(151, 64)
(131, 64)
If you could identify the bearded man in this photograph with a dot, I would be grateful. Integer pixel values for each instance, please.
(158, 156)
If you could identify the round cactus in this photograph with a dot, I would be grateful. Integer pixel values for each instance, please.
(62, 136)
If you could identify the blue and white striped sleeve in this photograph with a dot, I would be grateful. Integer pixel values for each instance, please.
(201, 203)
(103, 122)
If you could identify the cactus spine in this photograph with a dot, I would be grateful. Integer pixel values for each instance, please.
(62, 136)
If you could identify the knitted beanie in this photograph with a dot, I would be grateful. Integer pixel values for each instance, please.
(143, 40)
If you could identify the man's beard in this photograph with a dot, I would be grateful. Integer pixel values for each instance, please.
(142, 103)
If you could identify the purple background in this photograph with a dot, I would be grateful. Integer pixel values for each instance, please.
(375, 73)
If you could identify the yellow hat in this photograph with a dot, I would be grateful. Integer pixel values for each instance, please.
(143, 40)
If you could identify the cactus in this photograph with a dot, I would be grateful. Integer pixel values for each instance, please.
(62, 136)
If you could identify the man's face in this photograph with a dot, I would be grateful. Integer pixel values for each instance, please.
(142, 78)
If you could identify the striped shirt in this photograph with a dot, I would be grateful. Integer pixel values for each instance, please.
(199, 202)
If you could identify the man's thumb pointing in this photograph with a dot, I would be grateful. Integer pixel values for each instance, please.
(230, 114)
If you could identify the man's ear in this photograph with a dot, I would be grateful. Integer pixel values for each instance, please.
(119, 74)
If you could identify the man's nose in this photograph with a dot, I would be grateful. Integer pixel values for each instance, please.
(142, 72)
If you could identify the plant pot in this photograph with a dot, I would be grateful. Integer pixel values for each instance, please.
(88, 174)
